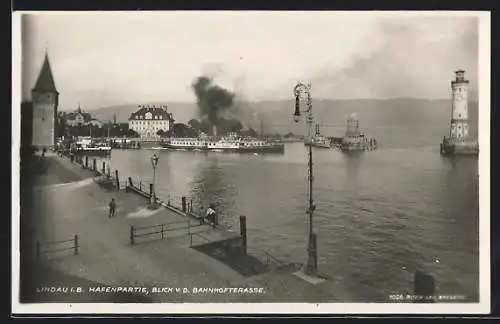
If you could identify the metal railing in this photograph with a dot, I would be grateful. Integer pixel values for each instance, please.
(161, 229)
(205, 240)
(41, 247)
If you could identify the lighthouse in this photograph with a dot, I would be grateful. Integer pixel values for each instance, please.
(459, 140)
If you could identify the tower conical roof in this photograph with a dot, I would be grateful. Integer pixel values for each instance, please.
(45, 81)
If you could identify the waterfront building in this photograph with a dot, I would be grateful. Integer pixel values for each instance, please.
(45, 101)
(459, 140)
(147, 121)
(81, 118)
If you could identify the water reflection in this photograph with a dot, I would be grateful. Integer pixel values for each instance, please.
(377, 212)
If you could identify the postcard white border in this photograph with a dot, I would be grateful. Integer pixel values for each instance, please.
(483, 307)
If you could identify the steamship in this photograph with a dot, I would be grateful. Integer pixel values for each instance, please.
(231, 143)
(319, 140)
(354, 139)
(90, 147)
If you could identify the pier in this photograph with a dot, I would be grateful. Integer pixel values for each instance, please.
(169, 246)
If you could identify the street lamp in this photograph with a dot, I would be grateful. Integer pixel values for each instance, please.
(303, 91)
(154, 163)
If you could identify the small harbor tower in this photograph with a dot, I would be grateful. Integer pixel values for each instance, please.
(459, 140)
(45, 100)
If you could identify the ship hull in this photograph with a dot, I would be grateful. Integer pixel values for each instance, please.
(318, 145)
(276, 149)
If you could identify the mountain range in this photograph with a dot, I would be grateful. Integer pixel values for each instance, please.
(277, 116)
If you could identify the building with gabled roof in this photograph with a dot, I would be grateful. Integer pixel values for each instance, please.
(148, 120)
(45, 101)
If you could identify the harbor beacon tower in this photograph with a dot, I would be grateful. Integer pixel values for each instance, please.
(45, 99)
(459, 141)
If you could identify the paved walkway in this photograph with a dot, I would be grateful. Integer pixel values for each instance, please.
(106, 255)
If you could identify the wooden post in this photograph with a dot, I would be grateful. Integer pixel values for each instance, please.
(38, 249)
(423, 286)
(117, 181)
(140, 185)
(190, 240)
(183, 199)
(243, 232)
(132, 235)
(130, 183)
(94, 165)
(103, 167)
(86, 162)
(76, 244)
(189, 227)
(162, 231)
(191, 206)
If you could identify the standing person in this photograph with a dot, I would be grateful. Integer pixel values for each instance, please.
(211, 214)
(112, 208)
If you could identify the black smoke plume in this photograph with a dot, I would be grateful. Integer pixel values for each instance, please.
(213, 101)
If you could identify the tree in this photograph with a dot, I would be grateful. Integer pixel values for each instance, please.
(131, 133)
(182, 130)
(194, 123)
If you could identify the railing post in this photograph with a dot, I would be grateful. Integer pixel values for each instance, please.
(117, 181)
(131, 184)
(132, 235)
(86, 162)
(243, 232)
(140, 185)
(76, 244)
(103, 167)
(94, 164)
(162, 231)
(189, 227)
(183, 199)
(38, 249)
(190, 240)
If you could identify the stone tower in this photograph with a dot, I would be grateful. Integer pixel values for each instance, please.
(459, 141)
(45, 100)
(459, 128)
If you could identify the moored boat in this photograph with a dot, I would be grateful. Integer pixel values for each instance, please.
(89, 147)
(354, 139)
(231, 143)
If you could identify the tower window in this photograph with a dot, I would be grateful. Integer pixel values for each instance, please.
(459, 115)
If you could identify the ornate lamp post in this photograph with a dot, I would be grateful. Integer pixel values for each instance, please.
(303, 92)
(154, 163)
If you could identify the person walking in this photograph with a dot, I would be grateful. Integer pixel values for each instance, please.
(112, 208)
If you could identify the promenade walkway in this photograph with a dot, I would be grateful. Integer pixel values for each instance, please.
(106, 255)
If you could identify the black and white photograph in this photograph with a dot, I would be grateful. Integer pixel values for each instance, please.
(251, 162)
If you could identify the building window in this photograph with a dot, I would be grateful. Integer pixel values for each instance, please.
(459, 115)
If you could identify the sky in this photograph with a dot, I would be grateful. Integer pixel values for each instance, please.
(104, 59)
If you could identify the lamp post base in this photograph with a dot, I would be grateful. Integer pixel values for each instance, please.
(153, 204)
(312, 257)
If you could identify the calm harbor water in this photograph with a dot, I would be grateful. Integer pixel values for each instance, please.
(380, 215)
